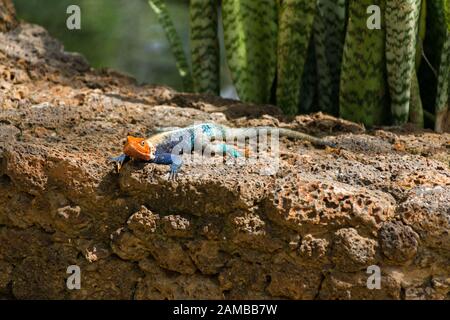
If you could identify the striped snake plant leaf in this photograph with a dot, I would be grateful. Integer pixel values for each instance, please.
(447, 13)
(443, 91)
(416, 107)
(205, 52)
(443, 88)
(436, 33)
(160, 9)
(421, 33)
(402, 20)
(295, 25)
(250, 38)
(329, 35)
(308, 101)
(363, 96)
(416, 114)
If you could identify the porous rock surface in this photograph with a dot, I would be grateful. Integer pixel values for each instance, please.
(308, 231)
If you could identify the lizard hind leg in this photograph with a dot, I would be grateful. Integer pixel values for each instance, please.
(225, 150)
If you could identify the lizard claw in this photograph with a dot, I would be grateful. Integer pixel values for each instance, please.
(173, 175)
(173, 172)
(119, 161)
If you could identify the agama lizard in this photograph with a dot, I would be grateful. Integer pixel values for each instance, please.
(166, 147)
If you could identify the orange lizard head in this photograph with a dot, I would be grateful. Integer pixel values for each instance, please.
(139, 148)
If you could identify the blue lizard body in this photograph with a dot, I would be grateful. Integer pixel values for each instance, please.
(167, 147)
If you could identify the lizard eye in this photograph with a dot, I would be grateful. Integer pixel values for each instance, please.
(143, 143)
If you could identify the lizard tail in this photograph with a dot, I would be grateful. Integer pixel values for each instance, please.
(283, 132)
(303, 136)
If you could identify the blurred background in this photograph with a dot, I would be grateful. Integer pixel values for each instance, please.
(121, 34)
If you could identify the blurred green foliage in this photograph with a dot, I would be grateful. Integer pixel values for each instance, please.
(120, 34)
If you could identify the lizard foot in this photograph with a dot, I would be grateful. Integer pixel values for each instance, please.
(119, 161)
(173, 175)
(173, 172)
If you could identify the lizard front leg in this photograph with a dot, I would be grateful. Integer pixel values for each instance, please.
(120, 161)
(175, 162)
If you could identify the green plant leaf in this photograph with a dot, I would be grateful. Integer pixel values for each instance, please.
(443, 90)
(416, 108)
(205, 46)
(295, 25)
(308, 101)
(160, 9)
(363, 96)
(402, 21)
(329, 35)
(421, 33)
(447, 13)
(250, 38)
